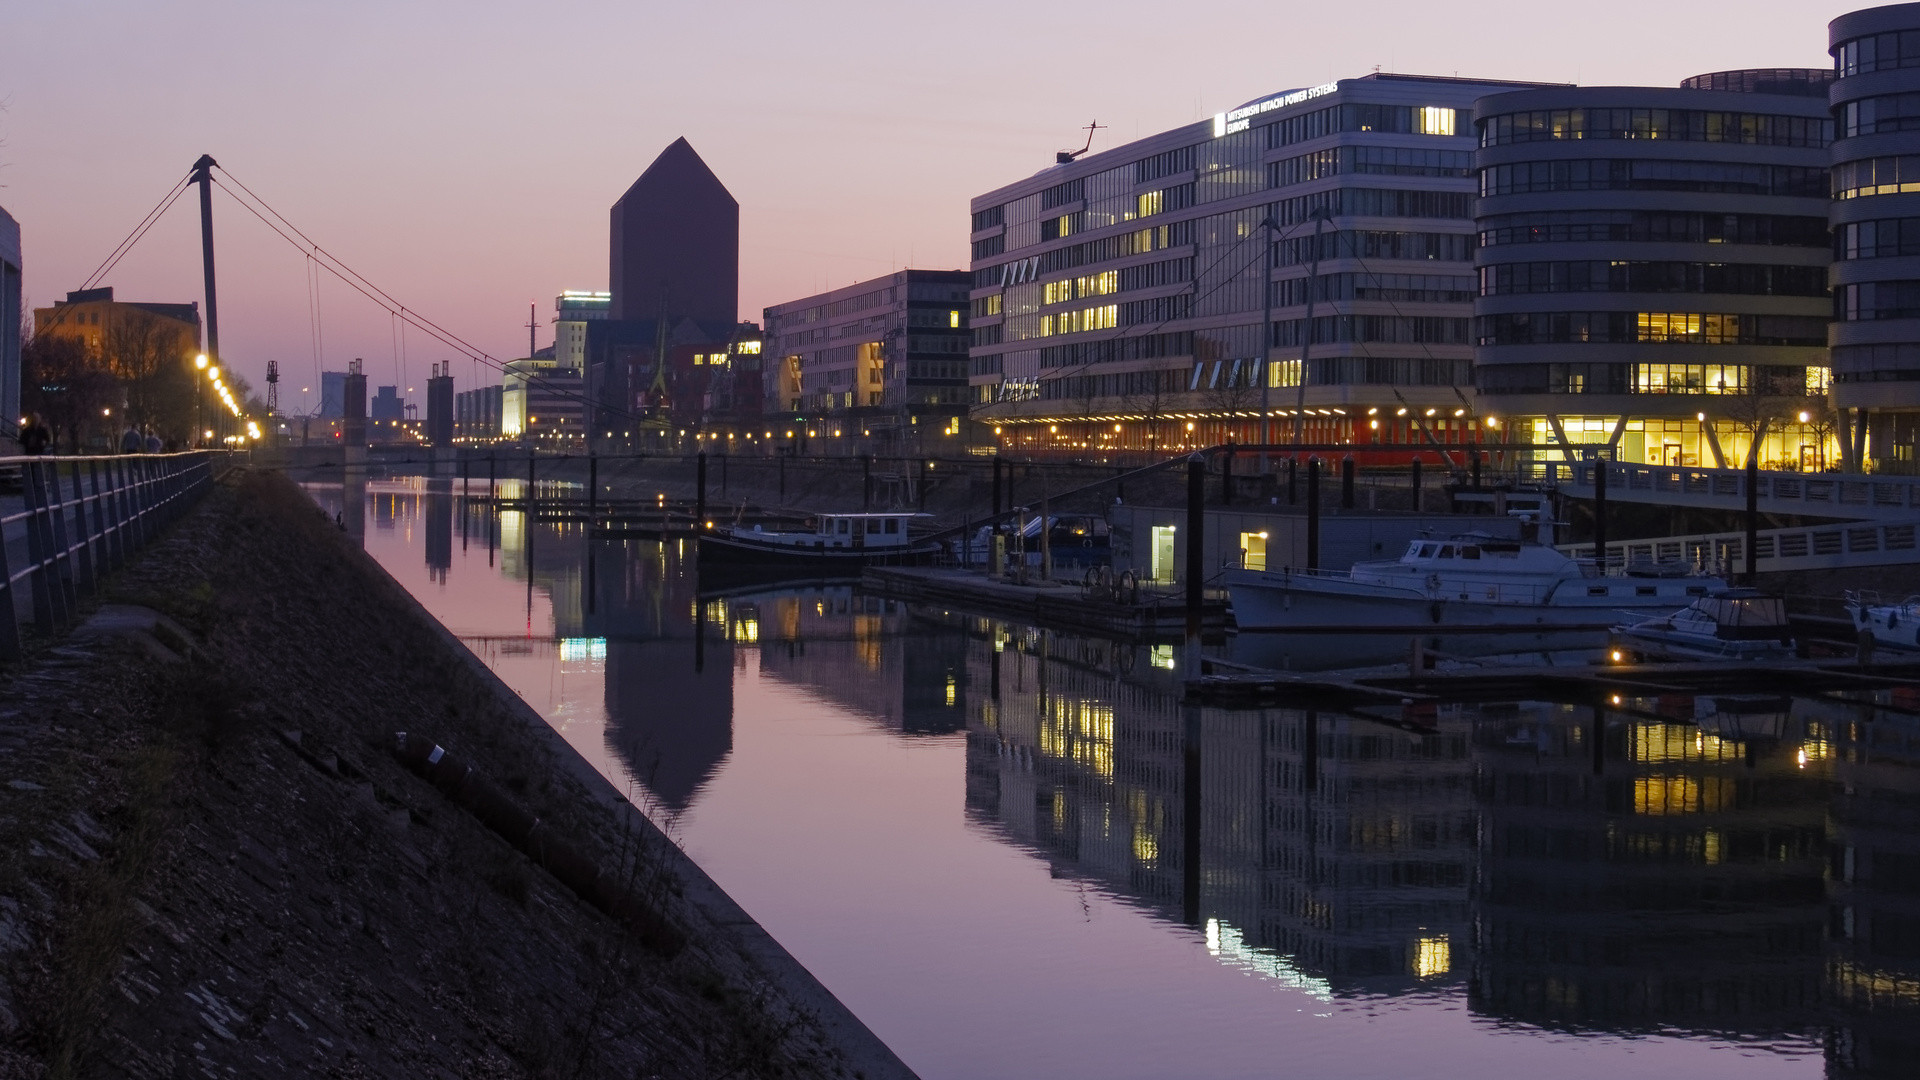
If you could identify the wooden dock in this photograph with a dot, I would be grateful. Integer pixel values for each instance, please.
(1234, 685)
(1056, 605)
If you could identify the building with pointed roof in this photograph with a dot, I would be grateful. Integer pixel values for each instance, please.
(675, 244)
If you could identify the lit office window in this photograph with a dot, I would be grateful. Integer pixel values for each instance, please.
(1434, 120)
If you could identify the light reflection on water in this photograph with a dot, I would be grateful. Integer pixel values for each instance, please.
(986, 838)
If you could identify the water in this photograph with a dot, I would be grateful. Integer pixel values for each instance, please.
(982, 838)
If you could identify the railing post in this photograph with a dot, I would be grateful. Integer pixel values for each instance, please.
(104, 556)
(44, 602)
(84, 577)
(9, 629)
(62, 549)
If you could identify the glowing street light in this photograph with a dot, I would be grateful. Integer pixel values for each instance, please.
(200, 361)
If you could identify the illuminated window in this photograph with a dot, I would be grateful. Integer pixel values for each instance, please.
(1690, 378)
(1283, 373)
(1432, 956)
(1433, 120)
(1819, 380)
(953, 320)
(1151, 203)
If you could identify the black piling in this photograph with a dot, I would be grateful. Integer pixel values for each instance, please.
(1473, 464)
(1313, 513)
(700, 491)
(996, 487)
(1226, 477)
(1196, 557)
(1346, 482)
(1600, 514)
(1753, 514)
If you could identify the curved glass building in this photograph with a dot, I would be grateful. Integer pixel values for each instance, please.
(1652, 268)
(1876, 232)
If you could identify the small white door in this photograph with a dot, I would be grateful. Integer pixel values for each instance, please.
(1163, 553)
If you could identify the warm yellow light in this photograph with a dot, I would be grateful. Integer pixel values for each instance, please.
(1616, 656)
(1189, 425)
(1054, 429)
(106, 412)
(1803, 417)
(1402, 412)
(1491, 422)
(1430, 412)
(200, 361)
(1700, 416)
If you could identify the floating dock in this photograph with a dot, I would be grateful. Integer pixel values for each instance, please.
(1057, 605)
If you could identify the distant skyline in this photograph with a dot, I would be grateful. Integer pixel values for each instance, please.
(465, 156)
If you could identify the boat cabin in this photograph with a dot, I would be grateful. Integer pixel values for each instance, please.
(862, 530)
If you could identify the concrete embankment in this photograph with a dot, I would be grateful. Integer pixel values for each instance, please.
(220, 859)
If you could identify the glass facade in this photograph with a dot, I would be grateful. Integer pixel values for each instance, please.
(1161, 288)
(1875, 218)
(1627, 273)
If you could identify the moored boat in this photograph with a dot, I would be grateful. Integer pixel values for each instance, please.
(1471, 582)
(838, 544)
(1739, 624)
(1889, 626)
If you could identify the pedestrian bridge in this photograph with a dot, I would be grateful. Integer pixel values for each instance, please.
(1843, 545)
(1843, 496)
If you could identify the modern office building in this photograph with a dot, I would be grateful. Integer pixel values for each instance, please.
(572, 310)
(1876, 232)
(1117, 297)
(1652, 269)
(885, 354)
(10, 312)
(675, 244)
(541, 402)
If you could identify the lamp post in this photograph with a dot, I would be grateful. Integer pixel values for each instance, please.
(200, 363)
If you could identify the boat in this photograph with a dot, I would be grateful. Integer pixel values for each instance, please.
(1472, 583)
(1075, 541)
(1889, 626)
(1739, 624)
(838, 545)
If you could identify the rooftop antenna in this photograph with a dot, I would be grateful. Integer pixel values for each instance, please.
(533, 323)
(1066, 157)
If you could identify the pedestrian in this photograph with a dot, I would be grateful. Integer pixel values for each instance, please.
(35, 436)
(154, 445)
(130, 440)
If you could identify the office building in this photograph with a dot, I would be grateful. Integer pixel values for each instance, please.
(884, 354)
(1652, 269)
(1117, 297)
(333, 395)
(572, 311)
(1876, 232)
(675, 244)
(387, 405)
(540, 401)
(10, 312)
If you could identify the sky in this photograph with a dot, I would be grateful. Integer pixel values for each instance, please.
(463, 155)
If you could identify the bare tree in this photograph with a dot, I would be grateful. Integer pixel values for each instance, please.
(153, 358)
(68, 385)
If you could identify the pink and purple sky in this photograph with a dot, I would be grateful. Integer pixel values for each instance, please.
(464, 155)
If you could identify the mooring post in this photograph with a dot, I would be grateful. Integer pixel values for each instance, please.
(996, 492)
(531, 458)
(1473, 463)
(1346, 482)
(1196, 558)
(1753, 514)
(1416, 483)
(1313, 513)
(1600, 513)
(1226, 477)
(700, 491)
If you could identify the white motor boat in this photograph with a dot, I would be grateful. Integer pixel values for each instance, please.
(1473, 582)
(1740, 624)
(1891, 626)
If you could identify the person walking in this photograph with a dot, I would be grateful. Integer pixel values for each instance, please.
(130, 441)
(154, 445)
(35, 436)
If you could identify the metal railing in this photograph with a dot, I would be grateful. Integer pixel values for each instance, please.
(83, 517)
(1837, 495)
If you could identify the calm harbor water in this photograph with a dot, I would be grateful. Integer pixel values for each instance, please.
(1015, 853)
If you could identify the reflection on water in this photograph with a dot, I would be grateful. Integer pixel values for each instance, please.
(1697, 884)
